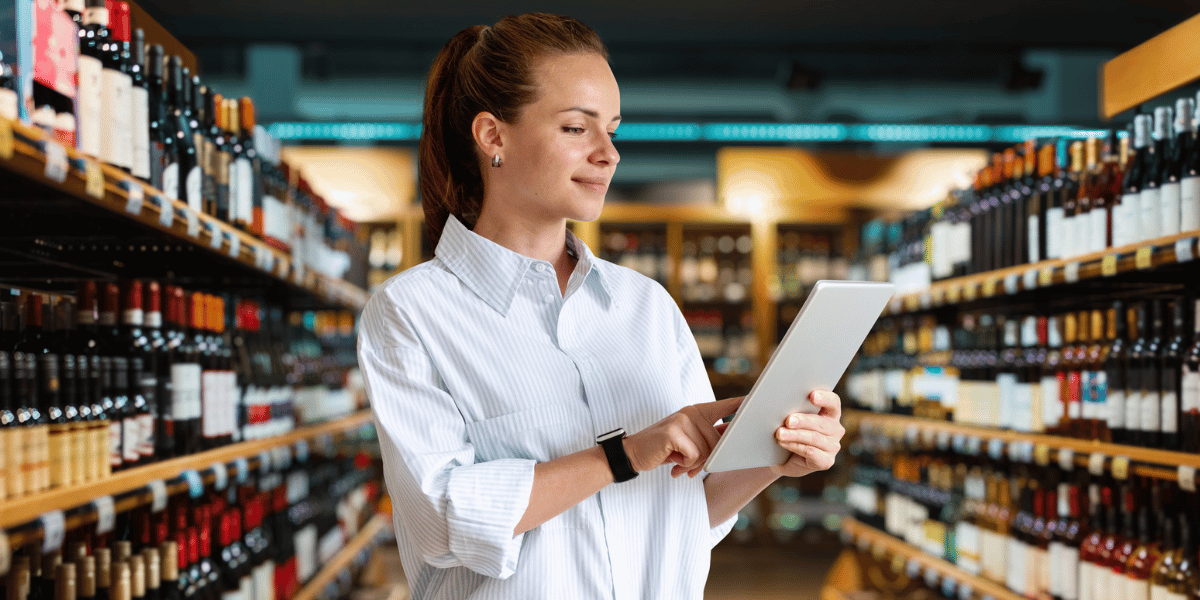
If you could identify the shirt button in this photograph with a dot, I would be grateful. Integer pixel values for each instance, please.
(540, 268)
(549, 297)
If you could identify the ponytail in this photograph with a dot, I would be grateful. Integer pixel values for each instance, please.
(482, 69)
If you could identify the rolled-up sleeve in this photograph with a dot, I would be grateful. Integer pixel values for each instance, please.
(455, 511)
(697, 388)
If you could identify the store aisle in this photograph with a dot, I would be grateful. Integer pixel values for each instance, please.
(769, 573)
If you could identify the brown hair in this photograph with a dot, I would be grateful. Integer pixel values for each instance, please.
(482, 69)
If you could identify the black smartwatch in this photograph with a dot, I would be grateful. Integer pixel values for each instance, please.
(614, 449)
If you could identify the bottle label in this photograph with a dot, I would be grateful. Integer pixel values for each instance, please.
(1136, 589)
(1099, 396)
(1068, 230)
(116, 139)
(194, 198)
(141, 132)
(146, 427)
(1068, 566)
(1170, 412)
(1034, 238)
(1052, 406)
(131, 438)
(8, 104)
(98, 450)
(1087, 578)
(1054, 563)
(1169, 199)
(1087, 408)
(1151, 419)
(60, 454)
(1016, 564)
(88, 105)
(1054, 232)
(1189, 204)
(80, 453)
(1122, 220)
(1116, 409)
(245, 190)
(1083, 232)
(1191, 390)
(1099, 230)
(185, 390)
(171, 181)
(1133, 410)
(115, 456)
(1150, 219)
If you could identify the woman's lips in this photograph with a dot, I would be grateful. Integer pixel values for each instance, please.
(596, 185)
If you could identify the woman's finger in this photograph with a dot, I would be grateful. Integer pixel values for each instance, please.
(807, 437)
(829, 403)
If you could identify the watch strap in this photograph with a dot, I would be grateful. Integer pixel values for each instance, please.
(614, 450)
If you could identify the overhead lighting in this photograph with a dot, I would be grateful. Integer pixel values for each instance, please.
(727, 132)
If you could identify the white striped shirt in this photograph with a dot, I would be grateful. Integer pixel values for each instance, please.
(478, 368)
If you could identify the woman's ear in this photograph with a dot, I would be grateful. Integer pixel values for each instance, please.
(488, 133)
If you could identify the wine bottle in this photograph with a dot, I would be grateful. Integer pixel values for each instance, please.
(181, 144)
(1151, 411)
(1139, 331)
(138, 446)
(1189, 418)
(186, 377)
(60, 421)
(94, 39)
(93, 360)
(137, 577)
(1036, 207)
(10, 462)
(161, 142)
(40, 378)
(162, 430)
(1095, 228)
(116, 90)
(171, 566)
(1189, 184)
(142, 164)
(1160, 577)
(1135, 173)
(248, 168)
(206, 146)
(1116, 364)
(1108, 192)
(1151, 197)
(1175, 146)
(115, 377)
(1170, 369)
(194, 180)
(104, 570)
(74, 394)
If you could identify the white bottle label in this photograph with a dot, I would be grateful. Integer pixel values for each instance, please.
(131, 436)
(185, 389)
(1055, 569)
(1191, 390)
(1083, 233)
(1169, 198)
(208, 412)
(88, 105)
(1189, 204)
(1151, 412)
(1069, 567)
(1121, 222)
(1052, 405)
(116, 139)
(195, 178)
(1133, 410)
(1170, 412)
(141, 132)
(1034, 237)
(1137, 589)
(171, 181)
(1054, 232)
(1116, 409)
(1099, 229)
(1068, 230)
(146, 445)
(114, 442)
(9, 104)
(245, 190)
(1085, 575)
(1151, 217)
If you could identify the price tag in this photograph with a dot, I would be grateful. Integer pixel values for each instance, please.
(93, 178)
(264, 462)
(56, 162)
(54, 529)
(221, 473)
(260, 258)
(6, 140)
(1187, 478)
(301, 448)
(1030, 280)
(194, 482)
(1142, 259)
(1041, 454)
(1108, 265)
(1066, 459)
(989, 288)
(158, 490)
(996, 449)
(1071, 272)
(1045, 276)
(166, 211)
(1010, 284)
(1183, 250)
(975, 445)
(959, 443)
(969, 292)
(133, 205)
(1120, 467)
(925, 300)
(954, 294)
(242, 466)
(5, 547)
(912, 434)
(1096, 463)
(943, 440)
(931, 578)
(235, 245)
(193, 223)
(214, 235)
(106, 514)
(912, 568)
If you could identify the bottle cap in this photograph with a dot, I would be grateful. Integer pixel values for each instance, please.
(86, 305)
(1162, 122)
(170, 561)
(246, 106)
(121, 589)
(65, 587)
(153, 568)
(103, 567)
(86, 584)
(121, 551)
(137, 576)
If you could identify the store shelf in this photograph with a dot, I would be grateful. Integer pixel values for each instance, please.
(23, 152)
(343, 558)
(882, 543)
(24, 510)
(1161, 464)
(1143, 256)
(1160, 65)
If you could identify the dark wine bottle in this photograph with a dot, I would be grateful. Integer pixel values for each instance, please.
(139, 98)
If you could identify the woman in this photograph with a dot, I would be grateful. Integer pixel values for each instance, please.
(495, 368)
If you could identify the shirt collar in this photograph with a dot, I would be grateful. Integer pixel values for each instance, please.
(494, 272)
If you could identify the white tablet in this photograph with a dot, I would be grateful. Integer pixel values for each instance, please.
(815, 351)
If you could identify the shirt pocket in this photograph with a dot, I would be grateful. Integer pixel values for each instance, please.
(540, 433)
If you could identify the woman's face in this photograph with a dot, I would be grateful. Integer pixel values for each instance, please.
(559, 156)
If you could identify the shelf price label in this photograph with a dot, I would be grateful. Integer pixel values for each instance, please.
(1120, 467)
(912, 568)
(925, 300)
(6, 142)
(954, 294)
(1096, 463)
(1108, 265)
(194, 482)
(968, 293)
(1041, 454)
(54, 529)
(221, 473)
(911, 303)
(989, 288)
(137, 195)
(937, 297)
(1066, 459)
(214, 235)
(899, 564)
(243, 469)
(166, 211)
(1187, 478)
(158, 494)
(106, 514)
(56, 162)
(1010, 284)
(1183, 250)
(1030, 279)
(1144, 257)
(93, 179)
(193, 223)
(1045, 276)
(1071, 272)
(235, 245)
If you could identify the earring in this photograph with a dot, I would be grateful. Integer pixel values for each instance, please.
(497, 161)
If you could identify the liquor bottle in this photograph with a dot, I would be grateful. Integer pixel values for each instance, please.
(1116, 364)
(224, 157)
(249, 169)
(161, 142)
(104, 570)
(1189, 184)
(1139, 331)
(1160, 577)
(177, 175)
(1084, 195)
(40, 361)
(233, 134)
(193, 183)
(94, 39)
(1068, 376)
(1056, 213)
(186, 377)
(1070, 201)
(1135, 174)
(1108, 191)
(1070, 533)
(45, 580)
(138, 431)
(1127, 543)
(1189, 419)
(162, 348)
(1185, 579)
(1170, 372)
(1038, 201)
(171, 557)
(1150, 423)
(1097, 384)
(1176, 145)
(1140, 565)
(1095, 234)
(1089, 574)
(85, 586)
(1151, 198)
(206, 139)
(142, 166)
(116, 380)
(66, 582)
(92, 358)
(116, 89)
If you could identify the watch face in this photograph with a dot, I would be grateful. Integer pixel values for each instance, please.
(616, 433)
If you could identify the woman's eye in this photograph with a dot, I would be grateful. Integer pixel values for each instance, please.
(572, 129)
(612, 135)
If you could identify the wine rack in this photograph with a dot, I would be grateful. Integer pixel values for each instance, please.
(363, 540)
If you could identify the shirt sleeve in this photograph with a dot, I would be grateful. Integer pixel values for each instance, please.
(454, 511)
(697, 388)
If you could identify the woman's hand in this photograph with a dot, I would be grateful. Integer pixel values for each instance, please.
(813, 440)
(685, 438)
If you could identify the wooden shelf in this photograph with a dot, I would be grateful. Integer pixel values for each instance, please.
(1161, 464)
(883, 543)
(1164, 63)
(1142, 256)
(23, 510)
(105, 187)
(343, 558)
